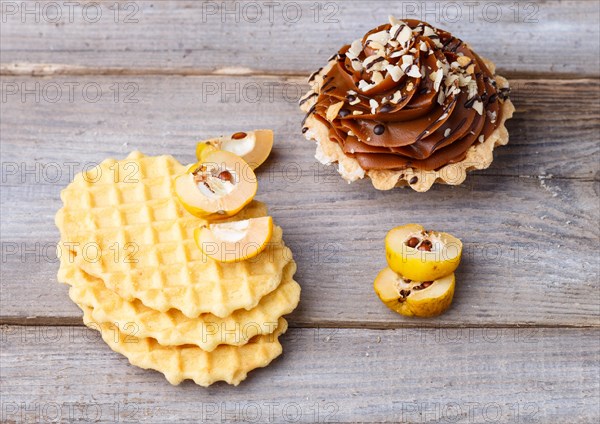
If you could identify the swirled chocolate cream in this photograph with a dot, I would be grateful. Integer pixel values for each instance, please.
(407, 104)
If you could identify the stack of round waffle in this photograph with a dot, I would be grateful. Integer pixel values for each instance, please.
(127, 250)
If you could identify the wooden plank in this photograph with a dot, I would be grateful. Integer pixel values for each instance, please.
(416, 375)
(523, 263)
(99, 116)
(519, 232)
(534, 37)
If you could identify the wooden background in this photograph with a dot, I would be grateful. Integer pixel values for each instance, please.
(521, 341)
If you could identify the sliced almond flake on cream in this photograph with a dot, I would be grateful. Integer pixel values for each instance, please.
(451, 79)
(370, 60)
(380, 37)
(463, 61)
(438, 80)
(410, 86)
(377, 78)
(333, 110)
(350, 133)
(423, 46)
(374, 105)
(357, 112)
(481, 138)
(395, 72)
(356, 65)
(428, 31)
(441, 97)
(377, 46)
(454, 65)
(396, 97)
(405, 36)
(463, 80)
(408, 59)
(447, 132)
(364, 86)
(351, 92)
(478, 106)
(413, 50)
(471, 69)
(355, 49)
(393, 43)
(414, 72)
(396, 54)
(472, 87)
(492, 116)
(355, 101)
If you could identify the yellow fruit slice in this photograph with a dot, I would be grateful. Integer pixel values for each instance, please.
(204, 148)
(414, 298)
(422, 255)
(220, 186)
(235, 241)
(252, 146)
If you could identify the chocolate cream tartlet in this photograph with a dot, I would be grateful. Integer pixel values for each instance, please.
(408, 104)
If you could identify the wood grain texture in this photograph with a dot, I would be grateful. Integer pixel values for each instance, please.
(518, 266)
(416, 375)
(86, 118)
(183, 70)
(520, 224)
(533, 37)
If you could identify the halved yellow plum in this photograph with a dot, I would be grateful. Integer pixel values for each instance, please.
(203, 149)
(414, 298)
(218, 187)
(235, 241)
(421, 255)
(252, 146)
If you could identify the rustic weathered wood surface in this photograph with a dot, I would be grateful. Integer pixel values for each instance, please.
(521, 341)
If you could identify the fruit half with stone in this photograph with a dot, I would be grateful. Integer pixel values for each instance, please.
(252, 146)
(234, 241)
(218, 187)
(414, 298)
(422, 255)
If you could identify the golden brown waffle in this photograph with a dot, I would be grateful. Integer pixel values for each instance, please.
(172, 328)
(178, 363)
(126, 227)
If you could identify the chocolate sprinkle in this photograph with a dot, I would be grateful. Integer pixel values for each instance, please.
(304, 100)
(413, 180)
(469, 103)
(314, 74)
(379, 59)
(386, 108)
(379, 129)
(343, 113)
(304, 130)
